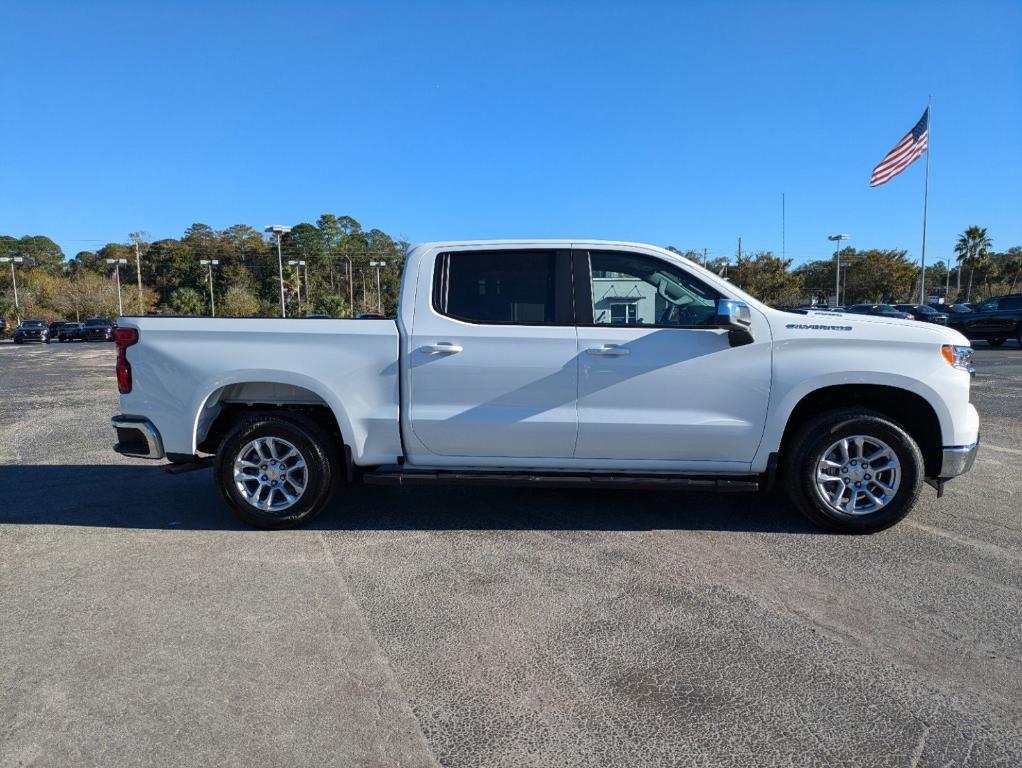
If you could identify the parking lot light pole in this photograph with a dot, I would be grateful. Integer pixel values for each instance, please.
(279, 230)
(836, 239)
(117, 276)
(301, 263)
(209, 264)
(379, 296)
(14, 281)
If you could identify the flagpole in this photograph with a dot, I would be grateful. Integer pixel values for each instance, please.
(926, 196)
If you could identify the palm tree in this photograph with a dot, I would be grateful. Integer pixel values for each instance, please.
(973, 248)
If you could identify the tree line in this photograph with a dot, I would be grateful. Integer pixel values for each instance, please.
(874, 275)
(339, 279)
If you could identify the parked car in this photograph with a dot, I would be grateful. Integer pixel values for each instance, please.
(32, 330)
(656, 374)
(71, 332)
(3, 327)
(55, 327)
(995, 320)
(879, 310)
(98, 329)
(923, 312)
(950, 309)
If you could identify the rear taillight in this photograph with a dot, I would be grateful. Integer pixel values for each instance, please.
(124, 338)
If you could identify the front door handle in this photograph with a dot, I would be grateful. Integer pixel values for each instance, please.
(442, 348)
(608, 350)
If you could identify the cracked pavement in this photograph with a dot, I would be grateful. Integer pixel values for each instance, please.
(140, 624)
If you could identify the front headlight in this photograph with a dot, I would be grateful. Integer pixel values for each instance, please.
(958, 357)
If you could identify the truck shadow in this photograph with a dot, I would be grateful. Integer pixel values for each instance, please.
(146, 497)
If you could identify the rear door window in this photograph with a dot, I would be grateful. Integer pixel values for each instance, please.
(504, 287)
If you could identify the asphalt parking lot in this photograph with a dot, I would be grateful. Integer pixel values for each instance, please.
(141, 625)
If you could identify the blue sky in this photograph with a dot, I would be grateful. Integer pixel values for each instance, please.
(665, 122)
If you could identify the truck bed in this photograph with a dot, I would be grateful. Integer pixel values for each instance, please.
(193, 365)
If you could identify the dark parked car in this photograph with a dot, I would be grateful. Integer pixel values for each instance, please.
(950, 309)
(995, 320)
(98, 329)
(71, 332)
(923, 312)
(32, 330)
(3, 327)
(56, 326)
(881, 310)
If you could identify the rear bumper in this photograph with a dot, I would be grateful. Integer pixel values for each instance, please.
(958, 460)
(136, 436)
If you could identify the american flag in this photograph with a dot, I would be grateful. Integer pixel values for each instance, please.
(906, 152)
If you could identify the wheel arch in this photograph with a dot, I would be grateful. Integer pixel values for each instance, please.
(903, 406)
(242, 394)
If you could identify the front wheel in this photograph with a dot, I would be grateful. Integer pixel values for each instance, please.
(854, 471)
(995, 342)
(276, 471)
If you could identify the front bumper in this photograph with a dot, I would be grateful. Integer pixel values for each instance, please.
(958, 460)
(137, 437)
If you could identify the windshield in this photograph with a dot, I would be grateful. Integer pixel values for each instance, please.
(97, 321)
(34, 324)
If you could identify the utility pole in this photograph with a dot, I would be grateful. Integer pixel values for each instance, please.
(279, 230)
(301, 263)
(739, 250)
(117, 272)
(209, 264)
(379, 295)
(836, 239)
(704, 258)
(14, 281)
(351, 284)
(137, 238)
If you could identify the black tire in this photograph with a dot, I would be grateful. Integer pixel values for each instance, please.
(18, 341)
(322, 468)
(807, 448)
(995, 342)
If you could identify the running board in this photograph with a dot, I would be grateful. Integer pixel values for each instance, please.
(404, 476)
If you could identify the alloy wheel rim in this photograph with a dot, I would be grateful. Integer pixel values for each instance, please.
(270, 474)
(858, 475)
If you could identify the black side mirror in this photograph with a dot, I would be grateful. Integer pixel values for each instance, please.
(736, 317)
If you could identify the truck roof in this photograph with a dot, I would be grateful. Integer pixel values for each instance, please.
(537, 241)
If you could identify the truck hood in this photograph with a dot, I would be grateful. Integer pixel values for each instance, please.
(897, 327)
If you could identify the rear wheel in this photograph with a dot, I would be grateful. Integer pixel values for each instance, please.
(853, 471)
(995, 342)
(276, 471)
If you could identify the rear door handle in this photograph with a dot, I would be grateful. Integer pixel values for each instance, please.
(608, 350)
(442, 348)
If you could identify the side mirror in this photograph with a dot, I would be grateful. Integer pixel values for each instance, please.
(736, 317)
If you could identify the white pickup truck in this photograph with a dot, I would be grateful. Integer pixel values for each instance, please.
(583, 363)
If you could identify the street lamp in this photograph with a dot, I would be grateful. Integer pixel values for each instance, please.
(14, 280)
(301, 263)
(117, 272)
(379, 295)
(209, 264)
(836, 239)
(279, 230)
